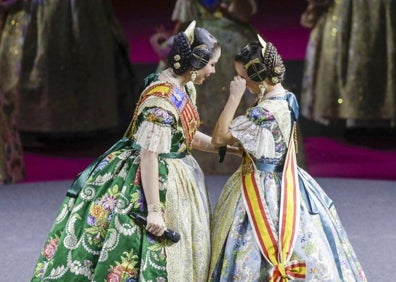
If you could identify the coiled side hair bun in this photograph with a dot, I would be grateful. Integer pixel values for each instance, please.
(261, 66)
(184, 55)
(274, 63)
(179, 56)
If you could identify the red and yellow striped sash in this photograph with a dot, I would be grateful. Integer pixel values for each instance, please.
(277, 249)
(190, 121)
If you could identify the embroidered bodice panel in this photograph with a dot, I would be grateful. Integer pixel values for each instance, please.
(158, 126)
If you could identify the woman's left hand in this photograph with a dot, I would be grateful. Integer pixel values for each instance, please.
(155, 223)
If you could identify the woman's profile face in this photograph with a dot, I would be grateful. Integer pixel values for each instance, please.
(250, 84)
(209, 69)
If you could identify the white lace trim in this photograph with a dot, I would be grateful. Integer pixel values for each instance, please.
(192, 91)
(281, 112)
(153, 137)
(257, 140)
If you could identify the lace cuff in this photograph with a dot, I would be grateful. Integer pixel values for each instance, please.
(153, 137)
(257, 140)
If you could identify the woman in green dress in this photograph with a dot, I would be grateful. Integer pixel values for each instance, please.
(150, 172)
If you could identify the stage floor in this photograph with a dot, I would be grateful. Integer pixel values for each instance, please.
(366, 209)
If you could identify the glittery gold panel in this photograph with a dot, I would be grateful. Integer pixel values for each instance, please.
(68, 77)
(11, 155)
(350, 63)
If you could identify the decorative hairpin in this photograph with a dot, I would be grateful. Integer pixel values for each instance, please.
(177, 57)
(189, 32)
(274, 80)
(262, 43)
(176, 65)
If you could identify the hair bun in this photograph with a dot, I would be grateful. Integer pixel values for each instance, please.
(196, 55)
(180, 55)
(200, 56)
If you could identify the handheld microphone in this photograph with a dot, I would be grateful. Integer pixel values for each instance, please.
(222, 152)
(169, 234)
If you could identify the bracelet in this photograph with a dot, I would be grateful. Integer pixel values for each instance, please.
(154, 207)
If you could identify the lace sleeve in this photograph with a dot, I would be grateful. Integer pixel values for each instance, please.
(257, 140)
(155, 133)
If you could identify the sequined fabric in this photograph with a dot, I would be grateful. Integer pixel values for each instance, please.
(11, 156)
(350, 64)
(73, 74)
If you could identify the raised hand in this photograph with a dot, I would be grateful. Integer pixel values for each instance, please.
(237, 87)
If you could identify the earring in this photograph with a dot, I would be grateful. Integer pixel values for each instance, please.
(262, 90)
(193, 75)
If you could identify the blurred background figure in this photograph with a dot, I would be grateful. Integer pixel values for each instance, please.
(76, 77)
(349, 75)
(13, 19)
(229, 22)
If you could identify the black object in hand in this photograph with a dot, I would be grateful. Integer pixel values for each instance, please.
(169, 234)
(222, 152)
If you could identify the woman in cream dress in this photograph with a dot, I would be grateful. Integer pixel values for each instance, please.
(273, 222)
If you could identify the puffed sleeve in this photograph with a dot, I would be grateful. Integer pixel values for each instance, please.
(253, 131)
(155, 131)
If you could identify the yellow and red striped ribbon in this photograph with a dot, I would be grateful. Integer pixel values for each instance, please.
(190, 121)
(277, 250)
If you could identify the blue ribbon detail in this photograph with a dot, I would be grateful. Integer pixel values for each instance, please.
(293, 105)
(261, 165)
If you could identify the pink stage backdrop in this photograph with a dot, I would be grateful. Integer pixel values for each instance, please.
(325, 158)
(277, 21)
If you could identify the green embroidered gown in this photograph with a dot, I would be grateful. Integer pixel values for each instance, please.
(93, 237)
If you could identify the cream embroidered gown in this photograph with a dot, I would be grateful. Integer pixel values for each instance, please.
(321, 239)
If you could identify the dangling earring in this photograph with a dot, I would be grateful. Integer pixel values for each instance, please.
(262, 91)
(193, 75)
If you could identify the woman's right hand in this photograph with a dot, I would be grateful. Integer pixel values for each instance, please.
(155, 223)
(237, 87)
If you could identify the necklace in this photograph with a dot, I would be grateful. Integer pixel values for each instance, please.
(170, 77)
